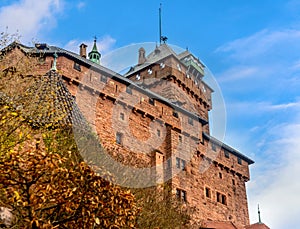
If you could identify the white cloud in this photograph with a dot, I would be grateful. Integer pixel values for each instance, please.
(237, 73)
(29, 17)
(279, 193)
(262, 44)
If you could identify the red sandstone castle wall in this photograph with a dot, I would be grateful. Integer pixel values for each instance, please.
(103, 104)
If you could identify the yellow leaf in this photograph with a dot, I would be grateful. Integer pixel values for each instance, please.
(97, 221)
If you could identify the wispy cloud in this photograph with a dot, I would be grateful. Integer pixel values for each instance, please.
(261, 44)
(278, 193)
(264, 69)
(29, 17)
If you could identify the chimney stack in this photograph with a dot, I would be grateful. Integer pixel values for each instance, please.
(142, 57)
(83, 50)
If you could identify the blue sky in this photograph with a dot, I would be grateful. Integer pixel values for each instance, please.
(251, 47)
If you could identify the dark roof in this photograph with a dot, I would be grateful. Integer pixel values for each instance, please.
(51, 103)
(228, 148)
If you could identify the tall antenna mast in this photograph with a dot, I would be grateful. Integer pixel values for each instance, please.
(160, 36)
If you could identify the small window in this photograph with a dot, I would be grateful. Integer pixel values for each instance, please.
(119, 138)
(224, 200)
(233, 181)
(207, 192)
(128, 90)
(181, 195)
(226, 153)
(151, 101)
(218, 197)
(183, 164)
(213, 146)
(220, 175)
(180, 163)
(158, 133)
(221, 198)
(239, 161)
(122, 116)
(103, 79)
(77, 66)
(175, 114)
(191, 121)
(180, 138)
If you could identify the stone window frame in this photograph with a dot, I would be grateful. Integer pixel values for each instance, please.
(239, 160)
(207, 191)
(180, 163)
(128, 90)
(77, 66)
(226, 153)
(119, 138)
(214, 146)
(221, 198)
(151, 101)
(103, 79)
(122, 116)
(190, 121)
(181, 195)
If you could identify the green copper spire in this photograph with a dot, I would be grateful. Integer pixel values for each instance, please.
(94, 55)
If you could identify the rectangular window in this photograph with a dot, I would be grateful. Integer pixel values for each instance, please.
(151, 101)
(207, 192)
(218, 197)
(103, 79)
(128, 90)
(224, 201)
(180, 138)
(191, 121)
(122, 116)
(180, 163)
(213, 146)
(233, 182)
(239, 161)
(226, 153)
(77, 66)
(220, 175)
(221, 198)
(118, 138)
(175, 114)
(181, 195)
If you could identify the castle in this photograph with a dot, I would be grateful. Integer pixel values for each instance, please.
(155, 120)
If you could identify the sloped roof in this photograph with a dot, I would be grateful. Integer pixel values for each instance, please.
(257, 226)
(51, 103)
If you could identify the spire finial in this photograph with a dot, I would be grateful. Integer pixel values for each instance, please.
(259, 218)
(54, 62)
(160, 36)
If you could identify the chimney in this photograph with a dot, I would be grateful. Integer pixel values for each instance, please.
(142, 58)
(83, 50)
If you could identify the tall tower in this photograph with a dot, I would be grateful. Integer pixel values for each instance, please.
(94, 55)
